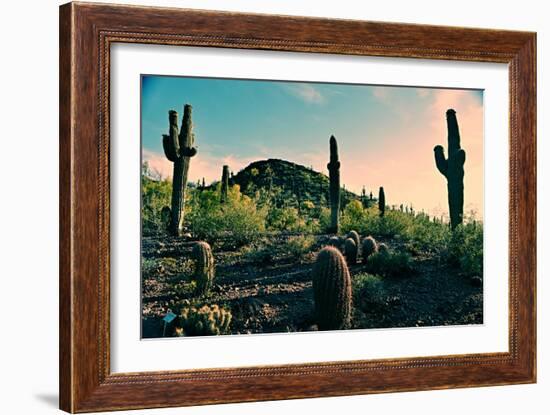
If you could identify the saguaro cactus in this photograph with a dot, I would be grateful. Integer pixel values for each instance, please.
(178, 148)
(225, 183)
(334, 186)
(204, 267)
(332, 290)
(452, 168)
(381, 201)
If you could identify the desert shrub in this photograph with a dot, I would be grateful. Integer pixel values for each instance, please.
(238, 219)
(368, 292)
(298, 246)
(353, 217)
(285, 219)
(391, 224)
(465, 248)
(155, 195)
(203, 321)
(425, 235)
(324, 219)
(260, 254)
(266, 253)
(388, 263)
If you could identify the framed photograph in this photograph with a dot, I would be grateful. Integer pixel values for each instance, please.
(258, 207)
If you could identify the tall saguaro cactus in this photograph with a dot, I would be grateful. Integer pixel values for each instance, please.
(178, 148)
(381, 201)
(452, 168)
(225, 183)
(334, 186)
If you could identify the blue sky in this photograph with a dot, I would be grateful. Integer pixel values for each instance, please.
(385, 134)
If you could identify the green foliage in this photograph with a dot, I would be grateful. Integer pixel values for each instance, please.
(332, 290)
(238, 219)
(368, 292)
(388, 263)
(285, 219)
(466, 248)
(204, 321)
(299, 246)
(266, 253)
(155, 195)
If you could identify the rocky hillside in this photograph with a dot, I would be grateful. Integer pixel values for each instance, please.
(287, 182)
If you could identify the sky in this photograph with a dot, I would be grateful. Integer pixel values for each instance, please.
(385, 134)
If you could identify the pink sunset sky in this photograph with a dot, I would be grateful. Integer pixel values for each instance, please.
(386, 135)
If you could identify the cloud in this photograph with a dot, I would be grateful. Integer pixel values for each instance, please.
(305, 92)
(202, 165)
(382, 93)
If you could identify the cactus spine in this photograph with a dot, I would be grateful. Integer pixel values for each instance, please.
(332, 290)
(452, 168)
(350, 250)
(178, 148)
(381, 201)
(225, 183)
(334, 186)
(204, 267)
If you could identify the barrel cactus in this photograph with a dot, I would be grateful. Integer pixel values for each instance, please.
(356, 238)
(381, 201)
(452, 168)
(332, 290)
(334, 186)
(369, 247)
(334, 241)
(350, 250)
(178, 148)
(204, 267)
(225, 183)
(383, 248)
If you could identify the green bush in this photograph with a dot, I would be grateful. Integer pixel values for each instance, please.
(390, 264)
(368, 292)
(465, 248)
(155, 194)
(299, 246)
(238, 219)
(259, 254)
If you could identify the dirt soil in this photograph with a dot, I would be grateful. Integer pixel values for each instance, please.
(278, 296)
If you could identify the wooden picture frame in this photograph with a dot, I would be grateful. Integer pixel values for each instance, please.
(86, 33)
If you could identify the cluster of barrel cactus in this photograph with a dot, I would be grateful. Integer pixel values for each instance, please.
(203, 321)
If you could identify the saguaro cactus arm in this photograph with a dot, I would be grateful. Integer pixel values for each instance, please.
(440, 160)
(170, 141)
